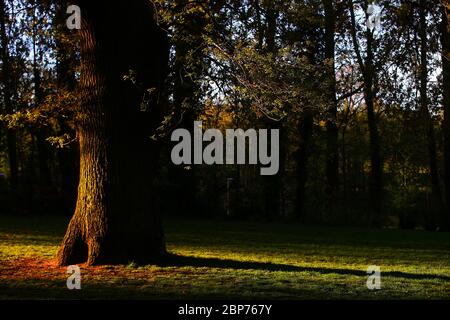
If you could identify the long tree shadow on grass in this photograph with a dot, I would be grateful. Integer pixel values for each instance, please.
(172, 260)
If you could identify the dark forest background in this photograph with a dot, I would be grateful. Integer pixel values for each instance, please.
(364, 113)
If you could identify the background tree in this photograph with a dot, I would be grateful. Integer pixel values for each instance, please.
(445, 40)
(8, 90)
(367, 67)
(332, 126)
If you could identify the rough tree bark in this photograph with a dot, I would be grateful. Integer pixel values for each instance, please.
(114, 219)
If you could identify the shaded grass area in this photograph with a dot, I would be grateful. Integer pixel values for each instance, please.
(215, 259)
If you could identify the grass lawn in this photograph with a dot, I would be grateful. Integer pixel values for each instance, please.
(235, 260)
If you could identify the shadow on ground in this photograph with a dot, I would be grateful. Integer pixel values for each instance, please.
(173, 260)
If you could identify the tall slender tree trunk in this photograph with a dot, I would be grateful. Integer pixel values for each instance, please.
(428, 121)
(375, 180)
(271, 25)
(332, 164)
(115, 220)
(306, 131)
(8, 99)
(368, 72)
(445, 217)
(189, 37)
(272, 184)
(259, 26)
(43, 146)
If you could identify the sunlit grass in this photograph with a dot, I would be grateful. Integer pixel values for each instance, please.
(236, 260)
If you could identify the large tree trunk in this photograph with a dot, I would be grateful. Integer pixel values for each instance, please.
(332, 164)
(115, 220)
(445, 218)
